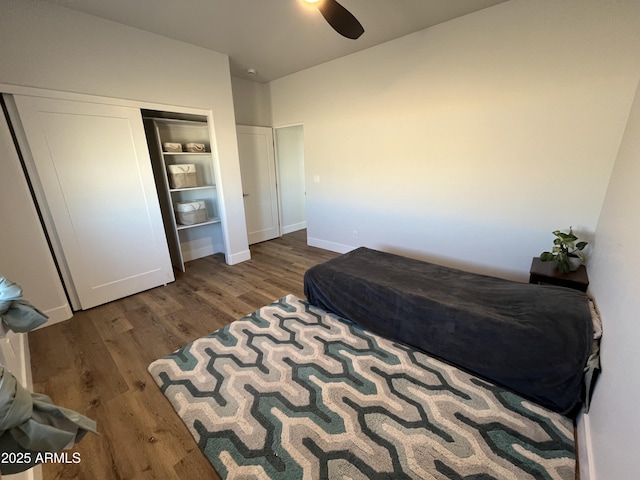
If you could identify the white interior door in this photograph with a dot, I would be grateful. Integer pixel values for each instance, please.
(93, 168)
(258, 170)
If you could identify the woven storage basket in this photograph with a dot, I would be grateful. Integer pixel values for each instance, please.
(190, 213)
(182, 175)
(195, 147)
(172, 147)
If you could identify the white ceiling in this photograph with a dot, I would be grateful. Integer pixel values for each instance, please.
(275, 37)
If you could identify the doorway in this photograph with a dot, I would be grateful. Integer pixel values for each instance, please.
(273, 180)
(289, 145)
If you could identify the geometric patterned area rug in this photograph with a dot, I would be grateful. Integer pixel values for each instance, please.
(293, 392)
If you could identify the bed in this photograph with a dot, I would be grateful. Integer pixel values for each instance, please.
(535, 340)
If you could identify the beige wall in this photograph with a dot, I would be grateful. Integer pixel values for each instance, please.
(51, 47)
(251, 102)
(613, 419)
(469, 142)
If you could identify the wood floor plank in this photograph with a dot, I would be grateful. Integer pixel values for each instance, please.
(160, 301)
(96, 362)
(255, 297)
(109, 320)
(56, 343)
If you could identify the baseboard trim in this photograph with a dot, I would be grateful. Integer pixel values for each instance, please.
(331, 246)
(584, 447)
(293, 227)
(57, 315)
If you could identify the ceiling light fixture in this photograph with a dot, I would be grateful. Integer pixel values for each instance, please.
(341, 19)
(251, 71)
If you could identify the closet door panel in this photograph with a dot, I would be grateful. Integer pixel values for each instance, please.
(93, 166)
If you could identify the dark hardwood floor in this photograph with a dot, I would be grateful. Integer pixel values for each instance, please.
(96, 362)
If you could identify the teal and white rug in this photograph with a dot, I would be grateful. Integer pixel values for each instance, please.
(292, 392)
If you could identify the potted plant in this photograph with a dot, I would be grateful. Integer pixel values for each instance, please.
(567, 252)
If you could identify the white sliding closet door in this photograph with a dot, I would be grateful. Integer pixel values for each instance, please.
(92, 165)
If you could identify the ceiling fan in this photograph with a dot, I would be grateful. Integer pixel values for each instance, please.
(341, 19)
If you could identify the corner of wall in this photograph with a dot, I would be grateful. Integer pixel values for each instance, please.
(584, 448)
(239, 257)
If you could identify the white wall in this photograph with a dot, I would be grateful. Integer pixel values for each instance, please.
(613, 419)
(469, 142)
(251, 102)
(48, 46)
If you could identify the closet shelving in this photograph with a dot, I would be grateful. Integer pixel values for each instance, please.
(186, 242)
(180, 194)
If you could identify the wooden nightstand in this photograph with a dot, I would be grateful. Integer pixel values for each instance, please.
(547, 273)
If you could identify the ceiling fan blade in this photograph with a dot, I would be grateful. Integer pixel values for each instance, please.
(340, 19)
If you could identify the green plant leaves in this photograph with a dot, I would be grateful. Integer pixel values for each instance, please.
(564, 246)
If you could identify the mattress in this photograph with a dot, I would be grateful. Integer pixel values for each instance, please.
(534, 340)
